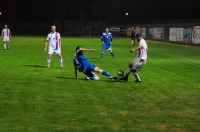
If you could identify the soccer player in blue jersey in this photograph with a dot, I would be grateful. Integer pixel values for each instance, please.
(83, 65)
(79, 67)
(106, 39)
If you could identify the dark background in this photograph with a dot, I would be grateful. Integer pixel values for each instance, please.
(90, 17)
(99, 10)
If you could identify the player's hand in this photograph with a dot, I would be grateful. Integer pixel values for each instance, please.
(110, 43)
(132, 50)
(92, 50)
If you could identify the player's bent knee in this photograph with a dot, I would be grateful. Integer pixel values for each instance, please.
(97, 77)
(134, 71)
(97, 69)
(130, 65)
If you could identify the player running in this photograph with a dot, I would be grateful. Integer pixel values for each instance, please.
(83, 65)
(106, 39)
(139, 61)
(54, 43)
(6, 34)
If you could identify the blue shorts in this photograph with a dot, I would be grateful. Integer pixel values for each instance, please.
(89, 73)
(106, 47)
(89, 66)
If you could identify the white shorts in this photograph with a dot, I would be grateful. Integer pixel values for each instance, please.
(138, 64)
(52, 51)
(6, 38)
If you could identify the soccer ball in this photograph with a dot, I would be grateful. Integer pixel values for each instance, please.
(120, 73)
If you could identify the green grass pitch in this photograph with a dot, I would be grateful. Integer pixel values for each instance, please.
(36, 99)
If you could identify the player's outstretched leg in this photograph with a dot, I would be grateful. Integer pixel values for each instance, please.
(4, 45)
(135, 73)
(112, 54)
(125, 78)
(8, 46)
(48, 61)
(105, 73)
(61, 61)
(102, 55)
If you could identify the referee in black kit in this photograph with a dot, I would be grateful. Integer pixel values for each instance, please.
(133, 37)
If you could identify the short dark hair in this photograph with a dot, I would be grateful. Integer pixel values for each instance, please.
(78, 47)
(138, 35)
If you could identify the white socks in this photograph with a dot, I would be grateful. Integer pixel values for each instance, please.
(137, 76)
(128, 71)
(4, 46)
(61, 62)
(48, 61)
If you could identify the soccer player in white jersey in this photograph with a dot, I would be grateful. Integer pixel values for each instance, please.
(54, 43)
(6, 34)
(137, 63)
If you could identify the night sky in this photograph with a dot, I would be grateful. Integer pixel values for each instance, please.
(92, 10)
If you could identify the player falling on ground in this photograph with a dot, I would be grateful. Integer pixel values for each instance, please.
(139, 61)
(53, 41)
(6, 34)
(79, 67)
(133, 37)
(106, 39)
(83, 65)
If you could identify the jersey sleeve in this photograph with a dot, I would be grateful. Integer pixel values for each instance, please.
(102, 36)
(48, 37)
(59, 37)
(102, 39)
(142, 43)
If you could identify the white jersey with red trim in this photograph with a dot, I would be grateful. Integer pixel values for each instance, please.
(142, 53)
(53, 38)
(6, 32)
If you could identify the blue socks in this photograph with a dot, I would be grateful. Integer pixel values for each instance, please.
(102, 54)
(105, 73)
(112, 54)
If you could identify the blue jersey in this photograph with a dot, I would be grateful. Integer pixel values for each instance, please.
(78, 66)
(106, 38)
(84, 62)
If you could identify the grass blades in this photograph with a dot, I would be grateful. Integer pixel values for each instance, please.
(34, 98)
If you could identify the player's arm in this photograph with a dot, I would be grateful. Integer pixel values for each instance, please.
(60, 44)
(137, 48)
(84, 50)
(102, 40)
(75, 73)
(111, 39)
(46, 44)
(10, 34)
(2, 34)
